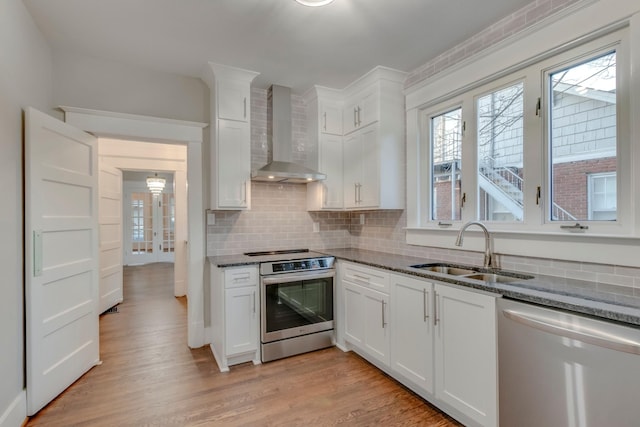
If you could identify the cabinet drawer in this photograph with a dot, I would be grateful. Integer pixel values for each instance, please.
(243, 276)
(370, 277)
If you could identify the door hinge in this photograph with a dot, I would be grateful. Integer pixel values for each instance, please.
(538, 107)
(464, 127)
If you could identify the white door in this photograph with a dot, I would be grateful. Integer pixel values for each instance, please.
(150, 227)
(110, 226)
(61, 256)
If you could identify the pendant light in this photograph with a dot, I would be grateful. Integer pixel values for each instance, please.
(155, 184)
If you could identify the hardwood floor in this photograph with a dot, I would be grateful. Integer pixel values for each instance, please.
(150, 377)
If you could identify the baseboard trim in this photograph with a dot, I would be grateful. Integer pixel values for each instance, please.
(16, 413)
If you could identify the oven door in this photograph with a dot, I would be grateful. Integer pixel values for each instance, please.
(295, 304)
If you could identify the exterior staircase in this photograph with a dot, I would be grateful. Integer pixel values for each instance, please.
(505, 186)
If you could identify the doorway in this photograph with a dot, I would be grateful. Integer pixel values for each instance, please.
(149, 219)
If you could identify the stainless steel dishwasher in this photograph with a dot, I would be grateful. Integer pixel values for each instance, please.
(562, 369)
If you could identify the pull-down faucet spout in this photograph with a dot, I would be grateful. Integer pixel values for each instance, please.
(488, 258)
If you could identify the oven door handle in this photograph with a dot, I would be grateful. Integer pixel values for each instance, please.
(287, 278)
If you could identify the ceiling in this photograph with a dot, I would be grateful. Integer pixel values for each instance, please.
(289, 44)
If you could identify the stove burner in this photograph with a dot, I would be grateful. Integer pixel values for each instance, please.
(281, 252)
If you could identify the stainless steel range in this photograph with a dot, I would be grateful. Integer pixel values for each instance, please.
(296, 302)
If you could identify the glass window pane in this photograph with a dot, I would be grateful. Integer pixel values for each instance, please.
(446, 160)
(582, 136)
(500, 154)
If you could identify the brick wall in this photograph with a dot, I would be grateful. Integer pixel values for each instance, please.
(570, 183)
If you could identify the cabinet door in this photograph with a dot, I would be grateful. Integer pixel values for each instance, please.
(352, 169)
(350, 116)
(353, 313)
(241, 320)
(233, 174)
(412, 330)
(331, 118)
(233, 100)
(465, 353)
(368, 107)
(376, 324)
(330, 162)
(369, 191)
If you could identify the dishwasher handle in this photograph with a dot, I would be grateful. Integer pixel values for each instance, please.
(568, 330)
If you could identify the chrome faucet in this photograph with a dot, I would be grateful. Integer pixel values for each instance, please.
(488, 258)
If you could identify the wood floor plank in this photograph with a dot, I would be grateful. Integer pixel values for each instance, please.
(149, 377)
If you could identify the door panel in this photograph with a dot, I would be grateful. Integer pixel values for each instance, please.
(110, 207)
(61, 256)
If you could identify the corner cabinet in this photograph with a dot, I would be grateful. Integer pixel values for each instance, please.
(324, 128)
(230, 150)
(235, 319)
(374, 141)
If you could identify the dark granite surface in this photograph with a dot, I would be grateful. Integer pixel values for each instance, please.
(601, 300)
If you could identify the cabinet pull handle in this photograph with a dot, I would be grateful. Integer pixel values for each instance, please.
(37, 253)
(245, 107)
(355, 192)
(383, 320)
(425, 301)
(254, 302)
(244, 193)
(365, 278)
(359, 121)
(435, 309)
(355, 118)
(359, 189)
(538, 194)
(325, 121)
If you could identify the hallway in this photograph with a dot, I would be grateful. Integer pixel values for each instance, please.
(150, 377)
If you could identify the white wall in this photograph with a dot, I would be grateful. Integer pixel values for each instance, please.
(87, 82)
(25, 80)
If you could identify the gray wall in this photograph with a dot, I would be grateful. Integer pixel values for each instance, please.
(87, 82)
(25, 80)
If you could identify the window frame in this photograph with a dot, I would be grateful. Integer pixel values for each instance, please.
(536, 145)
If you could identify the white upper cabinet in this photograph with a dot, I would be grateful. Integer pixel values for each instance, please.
(230, 155)
(324, 127)
(330, 117)
(233, 98)
(372, 128)
(361, 109)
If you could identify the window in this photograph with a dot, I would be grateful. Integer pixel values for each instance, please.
(540, 148)
(602, 196)
(500, 154)
(582, 133)
(446, 159)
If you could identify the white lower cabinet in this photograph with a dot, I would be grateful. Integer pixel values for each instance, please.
(466, 353)
(412, 330)
(235, 316)
(240, 305)
(437, 339)
(366, 314)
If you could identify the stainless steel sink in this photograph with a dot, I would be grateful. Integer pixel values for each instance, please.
(445, 269)
(469, 272)
(498, 278)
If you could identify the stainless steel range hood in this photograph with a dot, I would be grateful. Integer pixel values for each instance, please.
(280, 167)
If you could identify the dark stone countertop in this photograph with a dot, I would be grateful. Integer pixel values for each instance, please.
(601, 300)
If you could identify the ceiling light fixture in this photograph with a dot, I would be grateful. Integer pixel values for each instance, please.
(155, 184)
(314, 3)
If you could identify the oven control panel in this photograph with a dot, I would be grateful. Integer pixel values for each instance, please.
(308, 264)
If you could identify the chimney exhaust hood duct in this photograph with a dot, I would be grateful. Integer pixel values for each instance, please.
(281, 168)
